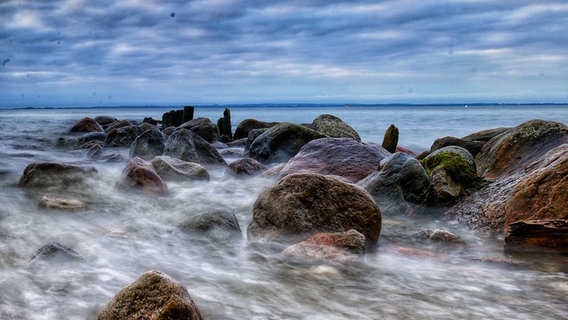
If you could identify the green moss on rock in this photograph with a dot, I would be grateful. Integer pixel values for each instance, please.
(457, 167)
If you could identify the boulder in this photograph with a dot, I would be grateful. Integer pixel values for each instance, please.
(452, 171)
(118, 124)
(549, 233)
(203, 127)
(92, 136)
(244, 167)
(139, 175)
(155, 295)
(148, 145)
(337, 247)
(334, 127)
(86, 125)
(390, 140)
(485, 135)
(301, 205)
(537, 193)
(61, 203)
(281, 142)
(399, 185)
(511, 151)
(439, 235)
(247, 125)
(472, 146)
(178, 170)
(345, 157)
(123, 136)
(252, 135)
(186, 145)
(53, 174)
(219, 224)
(105, 121)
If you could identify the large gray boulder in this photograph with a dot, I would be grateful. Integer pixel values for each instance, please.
(148, 145)
(186, 145)
(345, 157)
(334, 127)
(281, 142)
(204, 128)
(247, 125)
(399, 185)
(301, 205)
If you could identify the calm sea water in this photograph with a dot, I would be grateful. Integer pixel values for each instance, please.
(122, 235)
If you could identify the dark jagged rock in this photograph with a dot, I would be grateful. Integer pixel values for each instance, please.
(247, 125)
(252, 135)
(472, 146)
(399, 185)
(224, 125)
(156, 296)
(511, 151)
(148, 145)
(87, 125)
(178, 170)
(244, 167)
(390, 140)
(219, 224)
(549, 233)
(281, 142)
(139, 175)
(188, 146)
(345, 157)
(52, 174)
(338, 247)
(96, 151)
(301, 205)
(203, 127)
(123, 136)
(334, 127)
(150, 121)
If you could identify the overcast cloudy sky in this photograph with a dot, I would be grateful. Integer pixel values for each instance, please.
(140, 52)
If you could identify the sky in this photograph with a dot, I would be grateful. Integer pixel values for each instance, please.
(160, 52)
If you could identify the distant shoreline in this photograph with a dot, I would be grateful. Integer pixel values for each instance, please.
(298, 105)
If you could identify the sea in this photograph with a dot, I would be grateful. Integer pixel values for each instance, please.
(122, 235)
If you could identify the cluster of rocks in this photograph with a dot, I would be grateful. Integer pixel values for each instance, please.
(333, 189)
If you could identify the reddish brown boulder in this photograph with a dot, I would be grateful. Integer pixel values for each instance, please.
(140, 175)
(344, 157)
(301, 205)
(543, 192)
(550, 233)
(511, 151)
(155, 295)
(87, 125)
(332, 247)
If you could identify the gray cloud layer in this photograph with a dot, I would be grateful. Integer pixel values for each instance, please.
(142, 51)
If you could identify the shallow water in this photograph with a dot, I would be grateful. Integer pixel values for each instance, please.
(122, 235)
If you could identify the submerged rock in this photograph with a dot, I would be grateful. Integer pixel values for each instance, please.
(244, 167)
(185, 145)
(53, 174)
(439, 235)
(218, 224)
(339, 247)
(334, 127)
(511, 151)
(61, 203)
(399, 185)
(281, 142)
(55, 253)
(178, 170)
(301, 205)
(86, 125)
(139, 175)
(156, 296)
(345, 157)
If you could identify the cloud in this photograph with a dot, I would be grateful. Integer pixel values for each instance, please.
(281, 50)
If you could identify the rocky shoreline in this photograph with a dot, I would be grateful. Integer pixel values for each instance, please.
(332, 189)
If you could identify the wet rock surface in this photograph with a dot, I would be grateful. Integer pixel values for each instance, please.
(141, 176)
(185, 145)
(338, 247)
(52, 174)
(178, 170)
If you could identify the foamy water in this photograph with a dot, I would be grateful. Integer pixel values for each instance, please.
(122, 235)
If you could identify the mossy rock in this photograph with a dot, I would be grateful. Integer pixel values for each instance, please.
(457, 166)
(334, 127)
